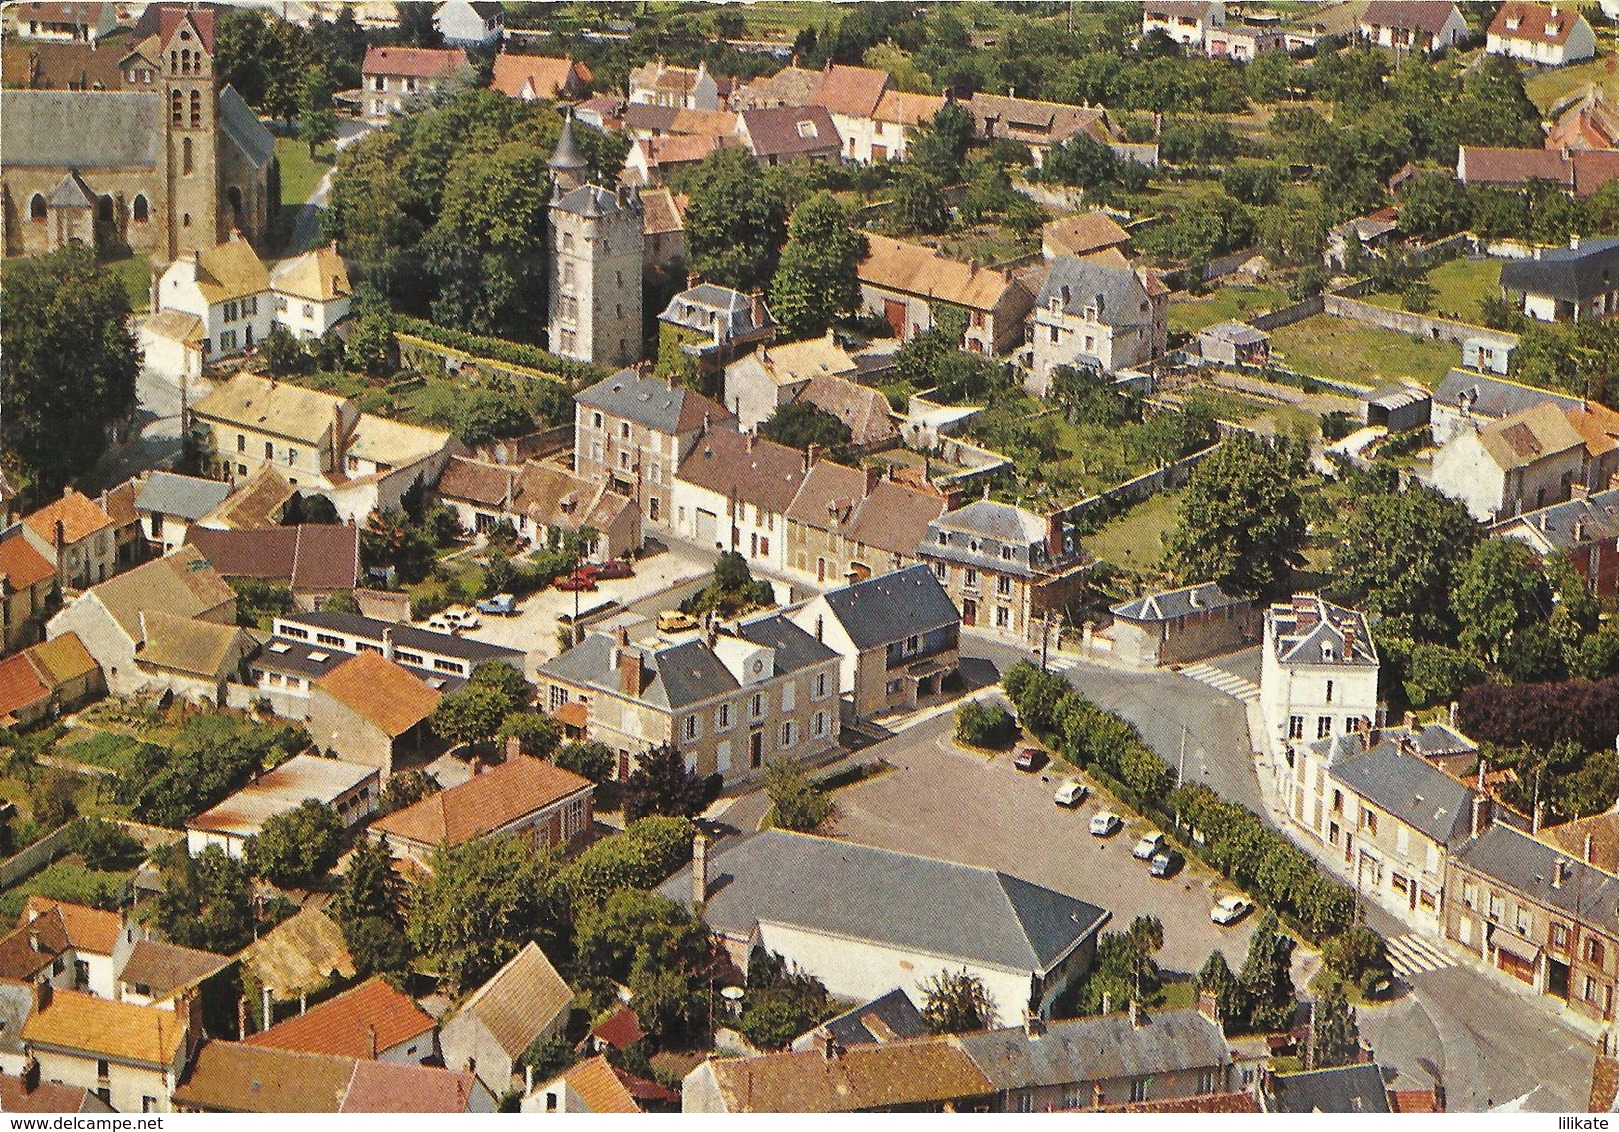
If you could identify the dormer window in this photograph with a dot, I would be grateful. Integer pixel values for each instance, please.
(944, 538)
(1512, 23)
(807, 129)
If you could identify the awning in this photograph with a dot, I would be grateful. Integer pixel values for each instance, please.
(573, 714)
(1516, 946)
(923, 669)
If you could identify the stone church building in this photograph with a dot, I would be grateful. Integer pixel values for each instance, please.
(168, 163)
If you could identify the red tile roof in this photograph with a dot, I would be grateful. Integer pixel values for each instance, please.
(79, 515)
(620, 1029)
(547, 76)
(88, 929)
(22, 565)
(309, 556)
(1425, 15)
(46, 1096)
(384, 1086)
(484, 803)
(20, 686)
(390, 697)
(854, 91)
(413, 62)
(344, 1026)
(1535, 22)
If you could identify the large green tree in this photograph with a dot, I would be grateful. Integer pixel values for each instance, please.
(1241, 523)
(1267, 975)
(736, 221)
(955, 1002)
(67, 365)
(1334, 1030)
(816, 280)
(1498, 593)
(295, 848)
(1397, 558)
(317, 119)
(482, 902)
(1230, 995)
(471, 715)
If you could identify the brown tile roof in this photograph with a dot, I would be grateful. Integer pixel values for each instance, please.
(321, 556)
(304, 953)
(257, 503)
(683, 149)
(1535, 22)
(544, 76)
(389, 696)
(47, 1096)
(233, 1077)
(83, 1023)
(864, 409)
(520, 1000)
(1602, 829)
(829, 490)
(164, 968)
(46, 65)
(20, 686)
(22, 565)
(285, 788)
(63, 659)
(21, 960)
(854, 91)
(385, 1086)
(663, 210)
(791, 131)
(477, 481)
(88, 929)
(599, 1086)
(1597, 425)
(181, 584)
(414, 62)
(1529, 436)
(895, 517)
(184, 644)
(345, 1025)
(759, 471)
(921, 1071)
(703, 123)
(79, 515)
(1426, 15)
(906, 109)
(620, 1029)
(1030, 120)
(1084, 233)
(318, 274)
(1582, 170)
(119, 504)
(484, 803)
(913, 269)
(260, 403)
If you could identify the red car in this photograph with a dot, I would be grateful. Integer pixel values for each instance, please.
(583, 583)
(612, 568)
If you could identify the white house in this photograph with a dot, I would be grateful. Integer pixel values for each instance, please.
(1413, 25)
(1548, 34)
(311, 292)
(352, 790)
(1519, 463)
(865, 920)
(1318, 670)
(1098, 312)
(470, 23)
(227, 290)
(1184, 21)
(732, 493)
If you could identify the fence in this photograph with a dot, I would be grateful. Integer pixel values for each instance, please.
(1417, 325)
(27, 861)
(1287, 316)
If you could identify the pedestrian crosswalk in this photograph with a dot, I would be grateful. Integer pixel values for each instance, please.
(1059, 663)
(1221, 680)
(1411, 955)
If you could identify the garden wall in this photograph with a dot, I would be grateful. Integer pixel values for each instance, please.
(1142, 487)
(1417, 325)
(25, 862)
(1287, 316)
(419, 353)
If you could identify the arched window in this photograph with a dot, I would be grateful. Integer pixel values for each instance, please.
(139, 210)
(185, 62)
(177, 108)
(106, 210)
(36, 207)
(185, 221)
(196, 109)
(174, 62)
(185, 155)
(235, 195)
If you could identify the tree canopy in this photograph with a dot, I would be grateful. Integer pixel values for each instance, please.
(736, 221)
(815, 281)
(1241, 521)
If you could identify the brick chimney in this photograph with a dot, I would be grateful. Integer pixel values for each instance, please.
(514, 746)
(629, 672)
(812, 455)
(30, 1074)
(340, 439)
(1208, 1005)
(1054, 544)
(699, 869)
(874, 476)
(756, 304)
(1137, 1019)
(1305, 611)
(42, 996)
(371, 1042)
(1586, 854)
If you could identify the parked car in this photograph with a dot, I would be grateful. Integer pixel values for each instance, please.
(501, 605)
(580, 583)
(461, 618)
(1149, 845)
(1105, 823)
(1071, 793)
(1030, 759)
(1229, 909)
(612, 568)
(674, 621)
(437, 624)
(1166, 864)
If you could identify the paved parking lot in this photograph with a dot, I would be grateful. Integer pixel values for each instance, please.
(942, 801)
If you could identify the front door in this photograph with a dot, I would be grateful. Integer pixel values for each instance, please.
(756, 750)
(969, 611)
(894, 312)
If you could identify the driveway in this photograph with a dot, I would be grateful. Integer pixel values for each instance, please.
(942, 801)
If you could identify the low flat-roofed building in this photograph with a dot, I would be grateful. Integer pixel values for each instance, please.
(350, 789)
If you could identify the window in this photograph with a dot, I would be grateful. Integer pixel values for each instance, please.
(241, 443)
(1590, 993)
(691, 727)
(177, 108)
(756, 706)
(820, 685)
(624, 430)
(1006, 554)
(1206, 1081)
(1470, 894)
(269, 450)
(186, 163)
(379, 84)
(1560, 936)
(196, 110)
(1295, 727)
(941, 571)
(1498, 906)
(893, 687)
(1368, 821)
(595, 420)
(818, 724)
(410, 86)
(913, 644)
(786, 734)
(292, 457)
(1595, 952)
(722, 717)
(1003, 587)
(1329, 692)
(309, 309)
(1003, 617)
(559, 697)
(139, 210)
(1138, 1090)
(442, 665)
(1323, 726)
(103, 1070)
(969, 578)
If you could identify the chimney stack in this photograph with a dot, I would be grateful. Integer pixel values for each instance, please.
(1557, 872)
(1136, 1019)
(756, 303)
(514, 747)
(812, 455)
(699, 869)
(371, 1042)
(1453, 708)
(629, 672)
(1034, 1026)
(387, 644)
(1586, 855)
(1208, 1005)
(30, 1074)
(33, 939)
(1409, 721)
(874, 476)
(241, 1018)
(42, 996)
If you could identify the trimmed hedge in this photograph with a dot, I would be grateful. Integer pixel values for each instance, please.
(502, 350)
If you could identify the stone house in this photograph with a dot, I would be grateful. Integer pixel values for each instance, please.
(370, 710)
(1318, 673)
(1186, 22)
(132, 1057)
(1413, 25)
(542, 502)
(732, 493)
(1519, 463)
(78, 537)
(902, 283)
(392, 78)
(524, 1001)
(1547, 34)
(1181, 625)
(852, 523)
(27, 586)
(1100, 313)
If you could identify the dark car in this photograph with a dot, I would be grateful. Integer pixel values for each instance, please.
(1166, 864)
(582, 583)
(612, 568)
(1030, 759)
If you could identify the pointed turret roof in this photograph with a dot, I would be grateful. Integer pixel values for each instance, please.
(567, 155)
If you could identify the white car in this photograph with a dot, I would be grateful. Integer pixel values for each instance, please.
(1071, 793)
(463, 618)
(1229, 909)
(1105, 823)
(1150, 845)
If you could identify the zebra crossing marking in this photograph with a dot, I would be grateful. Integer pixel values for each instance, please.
(1411, 955)
(1222, 681)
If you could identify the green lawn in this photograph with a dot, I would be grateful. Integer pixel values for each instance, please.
(98, 748)
(299, 175)
(1546, 89)
(1235, 302)
(1459, 286)
(66, 879)
(1134, 540)
(1329, 347)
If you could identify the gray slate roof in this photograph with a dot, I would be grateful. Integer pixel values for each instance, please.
(1517, 860)
(1299, 641)
(1171, 605)
(1237, 333)
(795, 649)
(1098, 1049)
(109, 128)
(593, 200)
(1566, 273)
(567, 155)
(1077, 283)
(1554, 525)
(1494, 397)
(697, 308)
(651, 401)
(890, 607)
(1349, 1088)
(243, 128)
(919, 904)
(71, 192)
(188, 497)
(1411, 789)
(895, 1011)
(1000, 521)
(992, 525)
